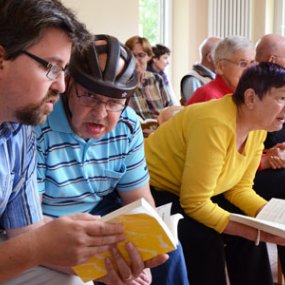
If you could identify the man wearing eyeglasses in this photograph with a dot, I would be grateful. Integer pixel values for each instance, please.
(232, 56)
(91, 150)
(36, 38)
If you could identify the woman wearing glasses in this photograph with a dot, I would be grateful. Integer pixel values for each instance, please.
(204, 160)
(151, 95)
(231, 56)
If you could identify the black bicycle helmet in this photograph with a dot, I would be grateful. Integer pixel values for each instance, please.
(85, 69)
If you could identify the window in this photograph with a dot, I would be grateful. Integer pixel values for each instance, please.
(279, 17)
(155, 20)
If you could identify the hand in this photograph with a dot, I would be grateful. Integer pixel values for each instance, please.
(280, 145)
(267, 237)
(71, 240)
(144, 278)
(119, 272)
(274, 158)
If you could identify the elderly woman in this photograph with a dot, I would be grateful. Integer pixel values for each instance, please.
(231, 56)
(204, 160)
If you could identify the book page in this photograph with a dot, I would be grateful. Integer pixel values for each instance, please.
(164, 212)
(171, 221)
(273, 211)
(267, 226)
(271, 218)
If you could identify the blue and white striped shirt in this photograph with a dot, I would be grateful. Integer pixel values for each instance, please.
(74, 174)
(19, 198)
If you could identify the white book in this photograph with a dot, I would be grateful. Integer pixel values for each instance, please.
(270, 219)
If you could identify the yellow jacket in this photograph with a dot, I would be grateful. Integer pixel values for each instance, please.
(194, 156)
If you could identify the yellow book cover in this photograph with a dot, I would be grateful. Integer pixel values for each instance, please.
(152, 231)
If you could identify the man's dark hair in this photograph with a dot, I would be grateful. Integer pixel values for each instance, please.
(261, 78)
(23, 22)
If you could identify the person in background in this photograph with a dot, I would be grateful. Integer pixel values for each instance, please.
(269, 180)
(158, 64)
(90, 149)
(151, 94)
(202, 72)
(204, 160)
(231, 56)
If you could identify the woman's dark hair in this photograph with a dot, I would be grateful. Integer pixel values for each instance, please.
(261, 78)
(159, 50)
(23, 22)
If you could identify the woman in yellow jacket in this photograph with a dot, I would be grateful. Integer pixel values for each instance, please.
(204, 160)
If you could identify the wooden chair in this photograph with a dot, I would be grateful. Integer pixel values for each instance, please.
(280, 277)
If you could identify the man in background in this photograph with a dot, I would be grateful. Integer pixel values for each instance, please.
(202, 72)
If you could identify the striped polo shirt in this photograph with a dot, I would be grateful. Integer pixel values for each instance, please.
(19, 198)
(74, 175)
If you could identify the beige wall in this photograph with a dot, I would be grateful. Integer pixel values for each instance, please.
(116, 17)
(189, 25)
(263, 15)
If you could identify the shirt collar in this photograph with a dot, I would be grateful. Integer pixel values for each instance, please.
(7, 129)
(58, 120)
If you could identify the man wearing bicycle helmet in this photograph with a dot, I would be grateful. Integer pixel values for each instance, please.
(90, 150)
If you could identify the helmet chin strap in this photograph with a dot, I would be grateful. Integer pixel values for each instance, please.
(65, 96)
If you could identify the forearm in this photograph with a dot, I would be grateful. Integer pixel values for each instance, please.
(64, 269)
(250, 233)
(17, 255)
(237, 229)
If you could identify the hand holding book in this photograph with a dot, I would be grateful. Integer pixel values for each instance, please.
(145, 227)
(271, 220)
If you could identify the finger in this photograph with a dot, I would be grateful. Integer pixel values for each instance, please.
(112, 276)
(138, 281)
(145, 277)
(137, 263)
(272, 162)
(156, 261)
(102, 228)
(124, 269)
(109, 240)
(84, 217)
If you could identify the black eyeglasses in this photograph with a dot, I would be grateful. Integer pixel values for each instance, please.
(91, 100)
(53, 70)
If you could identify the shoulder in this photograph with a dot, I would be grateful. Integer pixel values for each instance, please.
(128, 122)
(151, 76)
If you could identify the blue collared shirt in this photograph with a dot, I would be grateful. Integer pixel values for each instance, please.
(74, 175)
(19, 198)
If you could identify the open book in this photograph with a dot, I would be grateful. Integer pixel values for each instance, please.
(270, 219)
(152, 231)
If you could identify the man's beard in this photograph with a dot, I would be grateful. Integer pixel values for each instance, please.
(35, 114)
